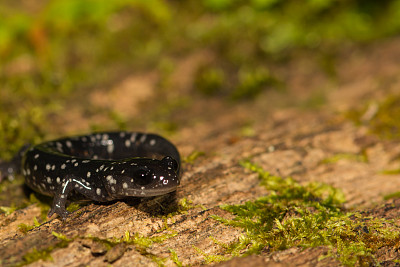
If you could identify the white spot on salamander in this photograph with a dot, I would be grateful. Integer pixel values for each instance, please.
(48, 167)
(110, 147)
(68, 143)
(88, 174)
(63, 166)
(98, 191)
(76, 164)
(133, 137)
(152, 142)
(143, 138)
(36, 156)
(125, 185)
(48, 180)
(35, 167)
(127, 143)
(58, 180)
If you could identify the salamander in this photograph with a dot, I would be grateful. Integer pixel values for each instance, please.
(101, 167)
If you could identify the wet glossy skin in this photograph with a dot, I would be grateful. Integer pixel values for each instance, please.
(101, 167)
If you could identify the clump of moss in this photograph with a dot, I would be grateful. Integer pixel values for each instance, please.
(142, 243)
(346, 156)
(43, 204)
(209, 81)
(24, 228)
(36, 255)
(44, 254)
(193, 156)
(174, 258)
(235, 82)
(311, 215)
(382, 118)
(391, 172)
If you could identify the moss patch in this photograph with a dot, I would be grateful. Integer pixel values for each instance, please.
(311, 215)
(346, 156)
(382, 118)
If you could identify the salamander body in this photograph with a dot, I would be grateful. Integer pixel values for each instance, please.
(101, 167)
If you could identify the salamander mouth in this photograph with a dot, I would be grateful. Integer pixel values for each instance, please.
(147, 192)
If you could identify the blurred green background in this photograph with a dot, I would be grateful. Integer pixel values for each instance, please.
(53, 52)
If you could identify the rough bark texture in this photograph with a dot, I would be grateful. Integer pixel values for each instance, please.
(288, 141)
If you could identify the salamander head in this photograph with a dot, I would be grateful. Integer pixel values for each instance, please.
(144, 178)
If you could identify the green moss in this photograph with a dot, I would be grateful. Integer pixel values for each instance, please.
(61, 236)
(392, 195)
(193, 156)
(73, 207)
(43, 204)
(43, 254)
(141, 243)
(391, 172)
(209, 81)
(247, 130)
(36, 255)
(185, 205)
(380, 117)
(24, 228)
(12, 195)
(8, 210)
(174, 258)
(311, 215)
(346, 156)
(251, 82)
(210, 258)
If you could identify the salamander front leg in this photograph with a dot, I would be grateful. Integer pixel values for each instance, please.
(60, 198)
(68, 184)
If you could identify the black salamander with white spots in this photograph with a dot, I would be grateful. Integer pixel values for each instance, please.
(100, 166)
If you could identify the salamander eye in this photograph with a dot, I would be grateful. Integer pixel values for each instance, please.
(171, 163)
(143, 177)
